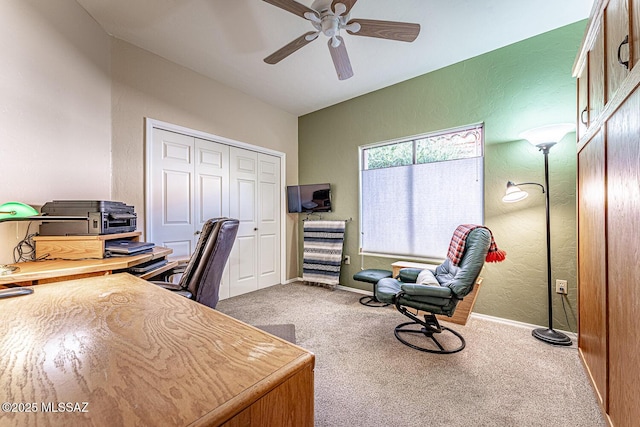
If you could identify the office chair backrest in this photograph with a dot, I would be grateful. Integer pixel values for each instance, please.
(191, 272)
(205, 283)
(461, 278)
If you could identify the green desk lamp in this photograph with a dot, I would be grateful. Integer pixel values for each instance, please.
(11, 211)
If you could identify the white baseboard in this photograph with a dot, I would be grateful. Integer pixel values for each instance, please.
(524, 325)
(342, 288)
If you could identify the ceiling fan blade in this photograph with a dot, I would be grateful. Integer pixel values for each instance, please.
(292, 6)
(288, 49)
(340, 59)
(401, 31)
(348, 3)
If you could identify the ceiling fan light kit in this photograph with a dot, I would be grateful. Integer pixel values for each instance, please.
(329, 17)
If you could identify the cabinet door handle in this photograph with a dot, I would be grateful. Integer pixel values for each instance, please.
(582, 119)
(197, 232)
(625, 64)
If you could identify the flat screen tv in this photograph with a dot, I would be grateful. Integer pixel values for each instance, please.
(309, 198)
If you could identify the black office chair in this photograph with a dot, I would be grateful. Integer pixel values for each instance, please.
(438, 292)
(200, 280)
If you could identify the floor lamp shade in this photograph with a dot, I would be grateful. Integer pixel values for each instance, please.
(547, 134)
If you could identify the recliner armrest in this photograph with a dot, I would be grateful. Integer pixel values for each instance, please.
(409, 274)
(426, 290)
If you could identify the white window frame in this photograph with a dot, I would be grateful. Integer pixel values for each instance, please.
(363, 148)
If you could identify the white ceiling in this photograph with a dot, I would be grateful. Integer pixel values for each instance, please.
(227, 40)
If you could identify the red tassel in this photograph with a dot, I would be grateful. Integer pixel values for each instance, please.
(496, 256)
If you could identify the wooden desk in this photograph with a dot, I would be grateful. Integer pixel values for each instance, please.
(140, 355)
(39, 272)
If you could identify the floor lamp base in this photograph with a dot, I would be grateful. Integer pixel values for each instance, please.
(551, 336)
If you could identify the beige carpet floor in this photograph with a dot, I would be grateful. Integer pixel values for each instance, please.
(365, 377)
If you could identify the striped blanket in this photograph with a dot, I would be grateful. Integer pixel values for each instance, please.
(322, 251)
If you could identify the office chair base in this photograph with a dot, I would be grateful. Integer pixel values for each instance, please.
(428, 333)
(371, 301)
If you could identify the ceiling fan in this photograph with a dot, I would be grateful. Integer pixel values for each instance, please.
(329, 17)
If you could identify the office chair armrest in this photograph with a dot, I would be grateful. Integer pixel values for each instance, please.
(409, 274)
(166, 285)
(173, 287)
(426, 290)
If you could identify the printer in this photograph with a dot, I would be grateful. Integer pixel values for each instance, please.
(94, 217)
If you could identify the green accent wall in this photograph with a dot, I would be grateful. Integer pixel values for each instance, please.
(511, 89)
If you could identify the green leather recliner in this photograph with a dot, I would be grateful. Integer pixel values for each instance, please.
(439, 293)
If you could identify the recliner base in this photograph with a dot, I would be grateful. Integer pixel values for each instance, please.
(427, 332)
(372, 301)
(429, 326)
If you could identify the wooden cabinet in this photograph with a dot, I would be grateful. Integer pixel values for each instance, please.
(596, 78)
(623, 246)
(583, 102)
(609, 209)
(591, 83)
(592, 296)
(616, 25)
(635, 32)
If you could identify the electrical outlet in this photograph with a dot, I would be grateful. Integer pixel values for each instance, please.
(347, 259)
(561, 286)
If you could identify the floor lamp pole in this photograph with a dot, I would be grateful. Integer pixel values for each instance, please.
(549, 335)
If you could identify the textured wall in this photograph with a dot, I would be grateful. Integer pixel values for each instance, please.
(146, 85)
(512, 89)
(55, 108)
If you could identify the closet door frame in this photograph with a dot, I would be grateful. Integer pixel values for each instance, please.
(151, 124)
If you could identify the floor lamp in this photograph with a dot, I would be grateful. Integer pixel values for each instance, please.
(544, 138)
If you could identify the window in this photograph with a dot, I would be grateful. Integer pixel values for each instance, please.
(414, 192)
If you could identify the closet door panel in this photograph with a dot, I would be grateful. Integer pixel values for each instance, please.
(212, 190)
(212, 181)
(269, 203)
(243, 198)
(592, 268)
(171, 193)
(623, 228)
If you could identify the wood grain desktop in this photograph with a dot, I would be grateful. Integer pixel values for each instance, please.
(55, 270)
(130, 353)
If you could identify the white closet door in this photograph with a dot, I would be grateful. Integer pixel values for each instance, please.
(243, 199)
(171, 193)
(269, 194)
(192, 179)
(212, 189)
